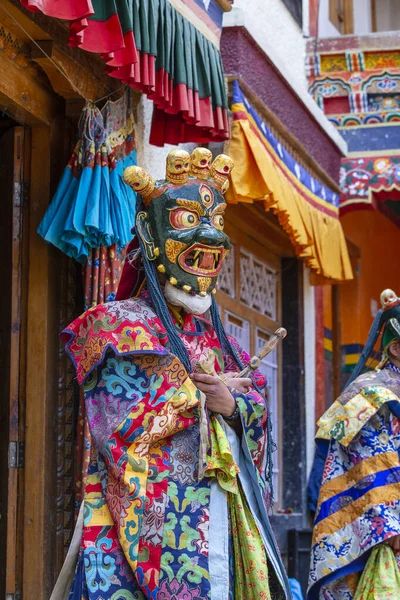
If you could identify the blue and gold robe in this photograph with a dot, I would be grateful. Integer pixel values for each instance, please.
(359, 500)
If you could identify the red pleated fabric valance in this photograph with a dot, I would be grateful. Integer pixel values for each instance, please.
(168, 49)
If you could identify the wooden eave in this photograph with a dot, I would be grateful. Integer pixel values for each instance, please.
(82, 74)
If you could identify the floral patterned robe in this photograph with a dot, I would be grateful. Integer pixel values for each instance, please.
(359, 500)
(146, 530)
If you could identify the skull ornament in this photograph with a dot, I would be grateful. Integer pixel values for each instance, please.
(178, 164)
(221, 170)
(387, 297)
(140, 181)
(200, 163)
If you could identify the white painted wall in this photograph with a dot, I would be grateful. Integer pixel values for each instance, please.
(275, 31)
(151, 158)
(309, 366)
(306, 18)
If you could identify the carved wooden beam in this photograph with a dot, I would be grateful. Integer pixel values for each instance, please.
(34, 103)
(69, 78)
(85, 70)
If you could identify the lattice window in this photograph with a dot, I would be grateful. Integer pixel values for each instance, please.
(238, 328)
(269, 368)
(250, 307)
(227, 279)
(258, 285)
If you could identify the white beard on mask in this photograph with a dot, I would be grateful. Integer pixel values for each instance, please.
(195, 305)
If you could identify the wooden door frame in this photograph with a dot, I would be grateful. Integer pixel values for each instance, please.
(17, 391)
(27, 96)
(29, 103)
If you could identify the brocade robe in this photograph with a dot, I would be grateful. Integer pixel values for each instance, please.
(151, 529)
(359, 500)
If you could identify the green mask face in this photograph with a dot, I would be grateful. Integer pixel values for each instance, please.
(182, 226)
(391, 333)
(182, 230)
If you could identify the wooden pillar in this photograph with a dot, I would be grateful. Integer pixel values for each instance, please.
(336, 342)
(319, 353)
(41, 392)
(294, 414)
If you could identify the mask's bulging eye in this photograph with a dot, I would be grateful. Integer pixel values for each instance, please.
(207, 197)
(183, 219)
(218, 222)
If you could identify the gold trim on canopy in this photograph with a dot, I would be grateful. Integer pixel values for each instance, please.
(306, 209)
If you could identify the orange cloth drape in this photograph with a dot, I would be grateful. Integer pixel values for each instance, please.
(260, 174)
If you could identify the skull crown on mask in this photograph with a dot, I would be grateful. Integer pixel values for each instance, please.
(181, 226)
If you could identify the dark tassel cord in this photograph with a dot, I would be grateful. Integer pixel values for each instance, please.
(369, 346)
(161, 309)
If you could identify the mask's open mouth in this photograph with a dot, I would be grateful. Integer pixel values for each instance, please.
(202, 260)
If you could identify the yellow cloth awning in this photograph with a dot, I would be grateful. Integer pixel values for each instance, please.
(307, 210)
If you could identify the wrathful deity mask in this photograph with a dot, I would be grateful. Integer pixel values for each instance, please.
(181, 227)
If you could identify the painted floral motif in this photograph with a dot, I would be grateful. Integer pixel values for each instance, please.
(153, 521)
(381, 165)
(376, 102)
(359, 175)
(175, 590)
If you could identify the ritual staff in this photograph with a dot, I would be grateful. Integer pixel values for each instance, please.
(359, 500)
(176, 497)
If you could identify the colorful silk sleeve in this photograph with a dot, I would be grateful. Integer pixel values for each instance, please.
(134, 405)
